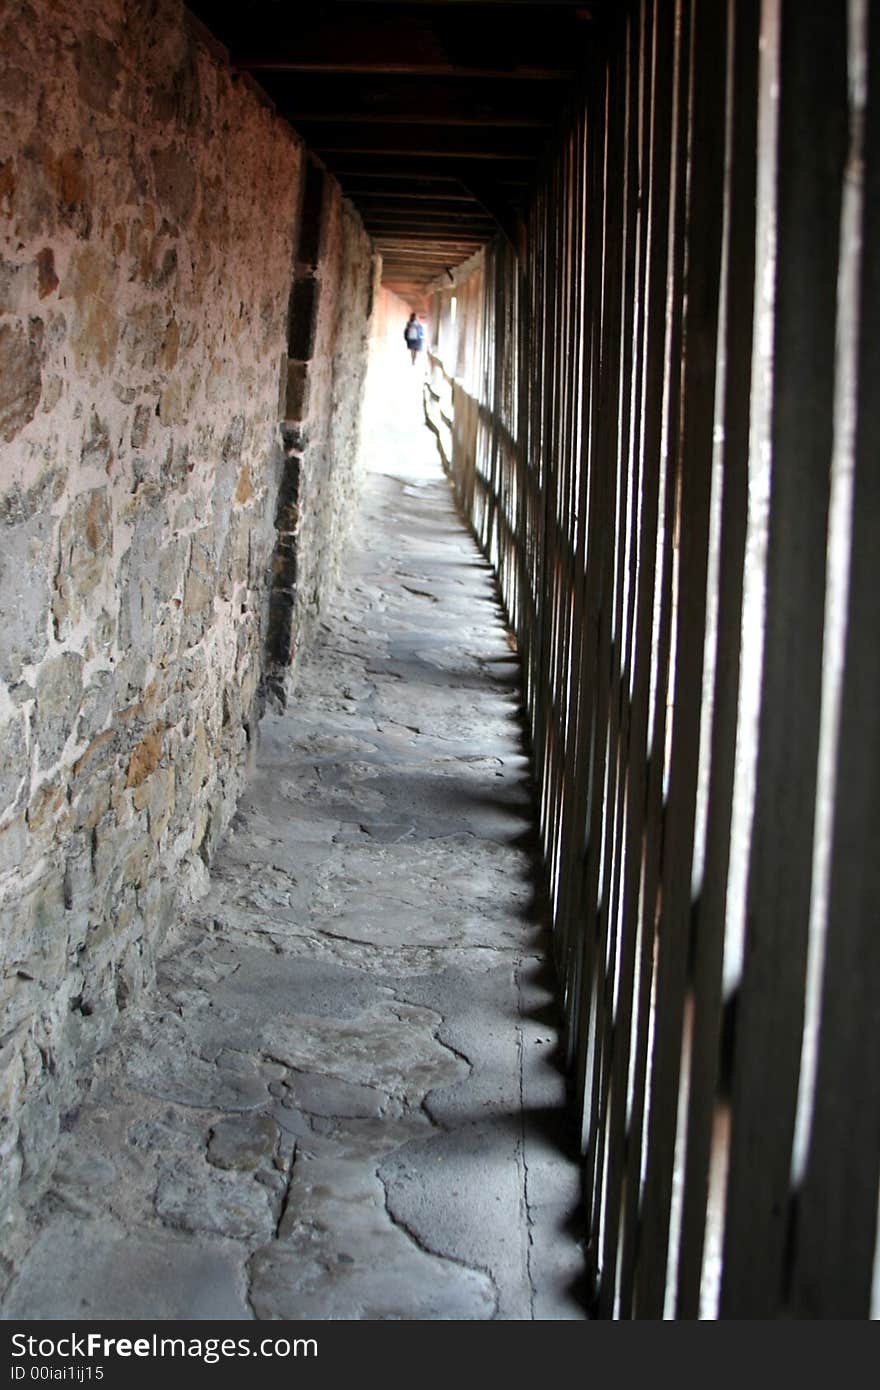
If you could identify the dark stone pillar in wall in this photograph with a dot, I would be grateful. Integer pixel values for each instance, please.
(282, 593)
(302, 321)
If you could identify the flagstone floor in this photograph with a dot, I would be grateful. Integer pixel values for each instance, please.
(342, 1099)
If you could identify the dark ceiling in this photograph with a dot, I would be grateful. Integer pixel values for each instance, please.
(431, 113)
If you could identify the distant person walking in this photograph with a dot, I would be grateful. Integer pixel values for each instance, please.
(414, 333)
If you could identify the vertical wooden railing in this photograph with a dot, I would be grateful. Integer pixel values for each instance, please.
(661, 421)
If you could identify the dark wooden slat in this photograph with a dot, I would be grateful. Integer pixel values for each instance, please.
(619, 674)
(654, 196)
(710, 909)
(651, 869)
(705, 189)
(837, 1206)
(571, 914)
(813, 115)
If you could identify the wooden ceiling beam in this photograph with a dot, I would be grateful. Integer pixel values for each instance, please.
(422, 257)
(418, 117)
(589, 10)
(450, 258)
(483, 231)
(375, 165)
(440, 142)
(535, 43)
(456, 215)
(384, 196)
(412, 216)
(384, 67)
(417, 243)
(393, 100)
(434, 265)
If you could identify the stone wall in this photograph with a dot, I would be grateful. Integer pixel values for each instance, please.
(150, 205)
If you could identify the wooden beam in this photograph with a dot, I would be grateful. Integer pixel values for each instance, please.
(440, 261)
(374, 164)
(389, 68)
(370, 179)
(415, 115)
(426, 142)
(427, 217)
(433, 236)
(587, 12)
(453, 100)
(395, 196)
(466, 248)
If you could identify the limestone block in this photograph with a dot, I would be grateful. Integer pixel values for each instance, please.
(91, 283)
(97, 451)
(161, 801)
(59, 692)
(13, 761)
(48, 814)
(47, 280)
(97, 758)
(85, 545)
(175, 179)
(142, 335)
(21, 996)
(21, 383)
(137, 861)
(24, 580)
(37, 939)
(145, 757)
(91, 804)
(140, 426)
(97, 705)
(11, 1084)
(13, 840)
(97, 63)
(139, 583)
(232, 568)
(16, 285)
(78, 875)
(175, 90)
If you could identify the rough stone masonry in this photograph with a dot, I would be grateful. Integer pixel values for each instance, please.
(152, 212)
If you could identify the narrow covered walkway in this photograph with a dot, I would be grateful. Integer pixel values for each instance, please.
(277, 1018)
(342, 1100)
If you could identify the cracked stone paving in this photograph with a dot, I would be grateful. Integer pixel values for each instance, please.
(342, 1099)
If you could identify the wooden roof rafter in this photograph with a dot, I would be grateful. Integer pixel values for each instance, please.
(431, 113)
